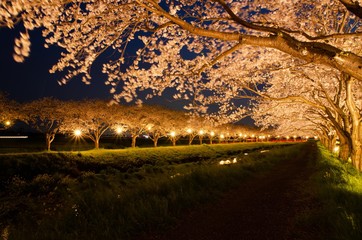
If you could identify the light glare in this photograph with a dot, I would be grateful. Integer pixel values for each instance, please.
(77, 132)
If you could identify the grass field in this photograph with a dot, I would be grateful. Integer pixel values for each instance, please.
(117, 194)
(114, 194)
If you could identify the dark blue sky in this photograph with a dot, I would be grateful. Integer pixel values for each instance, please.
(31, 80)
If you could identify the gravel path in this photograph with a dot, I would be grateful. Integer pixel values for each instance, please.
(264, 207)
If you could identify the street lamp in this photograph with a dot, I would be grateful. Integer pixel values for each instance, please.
(212, 134)
(173, 137)
(77, 133)
(119, 130)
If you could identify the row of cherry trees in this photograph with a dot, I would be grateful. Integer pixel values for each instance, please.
(93, 118)
(306, 53)
(328, 105)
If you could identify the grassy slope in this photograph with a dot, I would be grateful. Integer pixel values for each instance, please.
(339, 188)
(114, 194)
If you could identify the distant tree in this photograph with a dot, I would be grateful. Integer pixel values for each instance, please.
(161, 120)
(45, 115)
(92, 117)
(195, 125)
(9, 111)
(136, 119)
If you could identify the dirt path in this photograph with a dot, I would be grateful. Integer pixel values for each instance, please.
(263, 207)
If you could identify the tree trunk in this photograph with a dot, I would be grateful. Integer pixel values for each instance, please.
(358, 158)
(191, 138)
(134, 137)
(155, 141)
(356, 153)
(210, 140)
(96, 144)
(173, 141)
(344, 148)
(49, 138)
(200, 138)
(356, 130)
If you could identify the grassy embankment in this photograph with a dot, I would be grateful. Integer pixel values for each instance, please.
(338, 187)
(114, 194)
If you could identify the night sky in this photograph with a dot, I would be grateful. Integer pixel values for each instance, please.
(30, 80)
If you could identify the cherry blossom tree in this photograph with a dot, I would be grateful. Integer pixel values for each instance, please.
(186, 37)
(137, 121)
(46, 115)
(195, 124)
(92, 117)
(327, 102)
(161, 120)
(211, 52)
(9, 111)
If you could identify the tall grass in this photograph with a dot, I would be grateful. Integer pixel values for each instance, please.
(116, 204)
(339, 187)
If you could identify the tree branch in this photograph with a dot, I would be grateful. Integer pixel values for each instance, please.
(353, 7)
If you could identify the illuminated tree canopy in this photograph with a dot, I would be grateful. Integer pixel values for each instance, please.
(214, 53)
(181, 38)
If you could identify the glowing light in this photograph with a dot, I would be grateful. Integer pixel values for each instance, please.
(287, 137)
(189, 130)
(222, 136)
(294, 136)
(240, 135)
(222, 162)
(15, 137)
(227, 162)
(77, 132)
(201, 132)
(315, 137)
(336, 149)
(235, 160)
(212, 134)
(119, 130)
(7, 123)
(149, 128)
(173, 134)
(253, 136)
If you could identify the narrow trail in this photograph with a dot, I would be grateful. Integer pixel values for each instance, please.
(263, 207)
